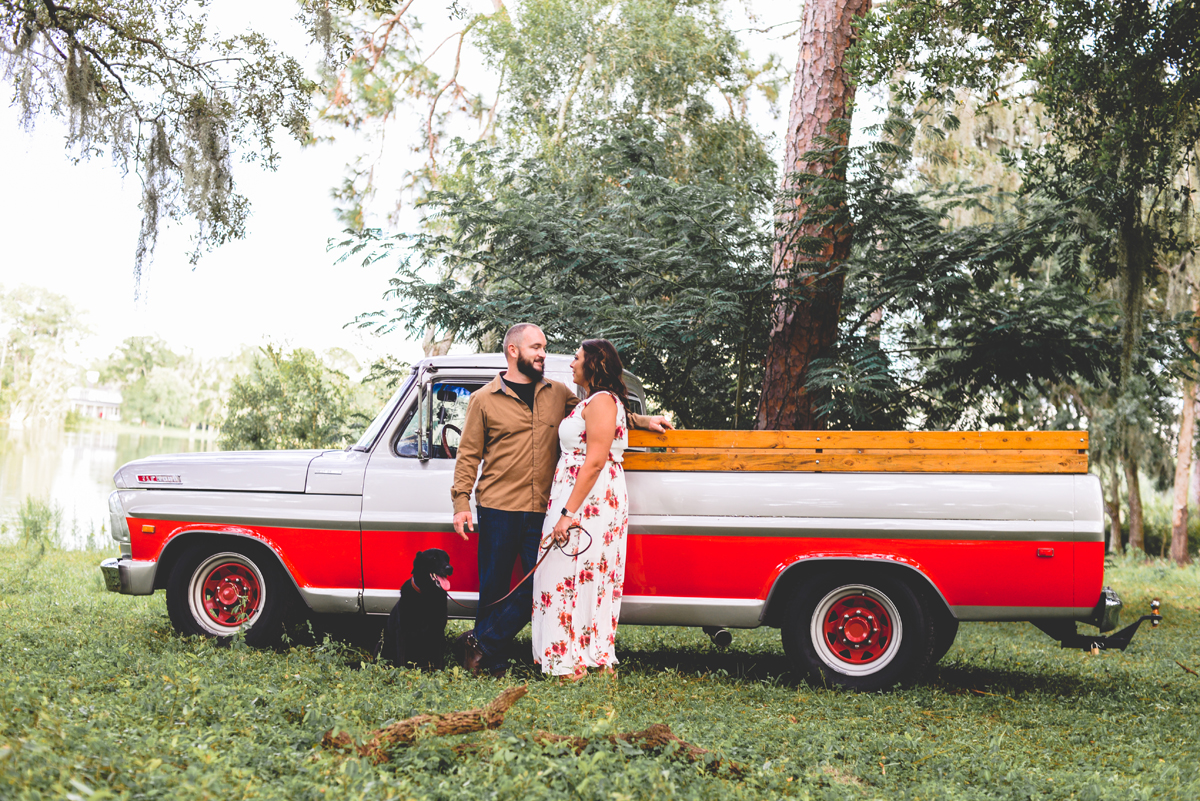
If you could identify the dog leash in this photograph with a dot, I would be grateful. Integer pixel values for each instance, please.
(561, 546)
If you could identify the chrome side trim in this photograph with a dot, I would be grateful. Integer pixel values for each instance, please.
(438, 522)
(742, 613)
(277, 510)
(865, 528)
(380, 602)
(801, 527)
(129, 576)
(323, 599)
(665, 610)
(1021, 613)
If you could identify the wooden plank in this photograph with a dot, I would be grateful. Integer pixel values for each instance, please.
(890, 440)
(1001, 453)
(1065, 461)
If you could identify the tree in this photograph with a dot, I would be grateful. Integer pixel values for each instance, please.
(39, 330)
(147, 83)
(289, 400)
(673, 273)
(1121, 91)
(812, 242)
(621, 197)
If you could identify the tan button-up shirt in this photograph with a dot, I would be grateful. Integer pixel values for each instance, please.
(518, 446)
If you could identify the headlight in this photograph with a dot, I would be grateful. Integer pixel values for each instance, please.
(116, 518)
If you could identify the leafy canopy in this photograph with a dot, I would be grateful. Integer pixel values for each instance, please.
(289, 400)
(148, 83)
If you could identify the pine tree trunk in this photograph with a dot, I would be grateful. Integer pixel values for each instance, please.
(1185, 457)
(1137, 536)
(1194, 490)
(808, 295)
(1114, 512)
(1183, 470)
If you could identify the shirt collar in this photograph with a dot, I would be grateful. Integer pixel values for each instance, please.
(498, 384)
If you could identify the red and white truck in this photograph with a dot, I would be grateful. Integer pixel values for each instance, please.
(866, 549)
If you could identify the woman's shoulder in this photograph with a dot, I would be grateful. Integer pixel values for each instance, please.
(604, 398)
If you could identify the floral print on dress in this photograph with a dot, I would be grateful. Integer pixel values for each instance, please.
(577, 600)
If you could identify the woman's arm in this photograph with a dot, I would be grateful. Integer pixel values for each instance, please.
(600, 419)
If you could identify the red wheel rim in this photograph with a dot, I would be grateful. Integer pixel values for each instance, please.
(230, 594)
(857, 629)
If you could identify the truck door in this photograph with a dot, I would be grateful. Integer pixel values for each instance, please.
(406, 494)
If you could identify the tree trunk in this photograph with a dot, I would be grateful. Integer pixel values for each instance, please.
(1194, 491)
(808, 288)
(1114, 512)
(1183, 470)
(1185, 453)
(1137, 538)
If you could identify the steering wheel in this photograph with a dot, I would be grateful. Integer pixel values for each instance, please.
(450, 452)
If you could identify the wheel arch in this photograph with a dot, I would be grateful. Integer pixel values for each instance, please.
(244, 538)
(795, 574)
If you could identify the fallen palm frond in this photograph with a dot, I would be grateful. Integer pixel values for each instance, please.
(656, 737)
(405, 731)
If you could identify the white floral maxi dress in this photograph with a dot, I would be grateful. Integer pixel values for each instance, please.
(577, 600)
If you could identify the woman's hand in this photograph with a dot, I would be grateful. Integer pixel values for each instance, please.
(561, 534)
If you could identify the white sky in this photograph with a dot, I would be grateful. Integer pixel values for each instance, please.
(72, 229)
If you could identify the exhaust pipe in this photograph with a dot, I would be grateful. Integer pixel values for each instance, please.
(720, 637)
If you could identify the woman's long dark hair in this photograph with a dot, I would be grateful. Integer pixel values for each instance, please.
(603, 370)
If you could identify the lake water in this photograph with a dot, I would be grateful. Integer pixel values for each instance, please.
(73, 470)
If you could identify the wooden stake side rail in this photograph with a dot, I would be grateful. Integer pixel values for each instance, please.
(862, 451)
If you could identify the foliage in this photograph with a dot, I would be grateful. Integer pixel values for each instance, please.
(98, 693)
(289, 400)
(39, 522)
(556, 67)
(672, 272)
(1118, 92)
(149, 84)
(160, 386)
(39, 330)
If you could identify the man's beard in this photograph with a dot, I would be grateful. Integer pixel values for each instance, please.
(526, 368)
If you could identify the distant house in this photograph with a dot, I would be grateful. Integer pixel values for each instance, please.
(95, 402)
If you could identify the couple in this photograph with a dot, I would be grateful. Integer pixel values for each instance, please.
(532, 498)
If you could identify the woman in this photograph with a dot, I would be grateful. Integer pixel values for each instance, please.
(577, 598)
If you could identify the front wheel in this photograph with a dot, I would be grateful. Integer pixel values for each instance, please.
(865, 634)
(219, 591)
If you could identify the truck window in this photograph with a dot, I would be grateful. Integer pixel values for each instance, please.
(449, 413)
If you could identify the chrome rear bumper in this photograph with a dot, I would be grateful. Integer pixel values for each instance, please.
(128, 576)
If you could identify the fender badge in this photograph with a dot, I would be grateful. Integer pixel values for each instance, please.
(159, 480)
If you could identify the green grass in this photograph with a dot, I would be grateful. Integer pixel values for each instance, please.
(99, 698)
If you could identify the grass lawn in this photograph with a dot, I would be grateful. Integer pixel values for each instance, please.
(100, 699)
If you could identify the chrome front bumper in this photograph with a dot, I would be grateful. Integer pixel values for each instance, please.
(128, 576)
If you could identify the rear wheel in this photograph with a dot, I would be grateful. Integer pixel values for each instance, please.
(947, 630)
(216, 591)
(863, 634)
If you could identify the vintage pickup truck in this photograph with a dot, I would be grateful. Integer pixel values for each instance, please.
(865, 548)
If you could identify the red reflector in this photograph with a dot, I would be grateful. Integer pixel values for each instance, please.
(1046, 552)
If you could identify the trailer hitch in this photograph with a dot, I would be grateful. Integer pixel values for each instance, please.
(1068, 637)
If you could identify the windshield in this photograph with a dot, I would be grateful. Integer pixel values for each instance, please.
(367, 440)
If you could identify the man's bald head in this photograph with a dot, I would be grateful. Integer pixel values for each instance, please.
(516, 335)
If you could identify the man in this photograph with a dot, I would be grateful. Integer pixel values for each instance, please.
(512, 428)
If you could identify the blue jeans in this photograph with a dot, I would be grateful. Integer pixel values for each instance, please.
(503, 537)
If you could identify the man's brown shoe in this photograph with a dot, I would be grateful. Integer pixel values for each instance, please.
(472, 654)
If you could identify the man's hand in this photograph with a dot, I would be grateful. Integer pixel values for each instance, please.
(658, 424)
(462, 520)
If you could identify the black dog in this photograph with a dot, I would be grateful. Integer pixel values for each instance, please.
(416, 629)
